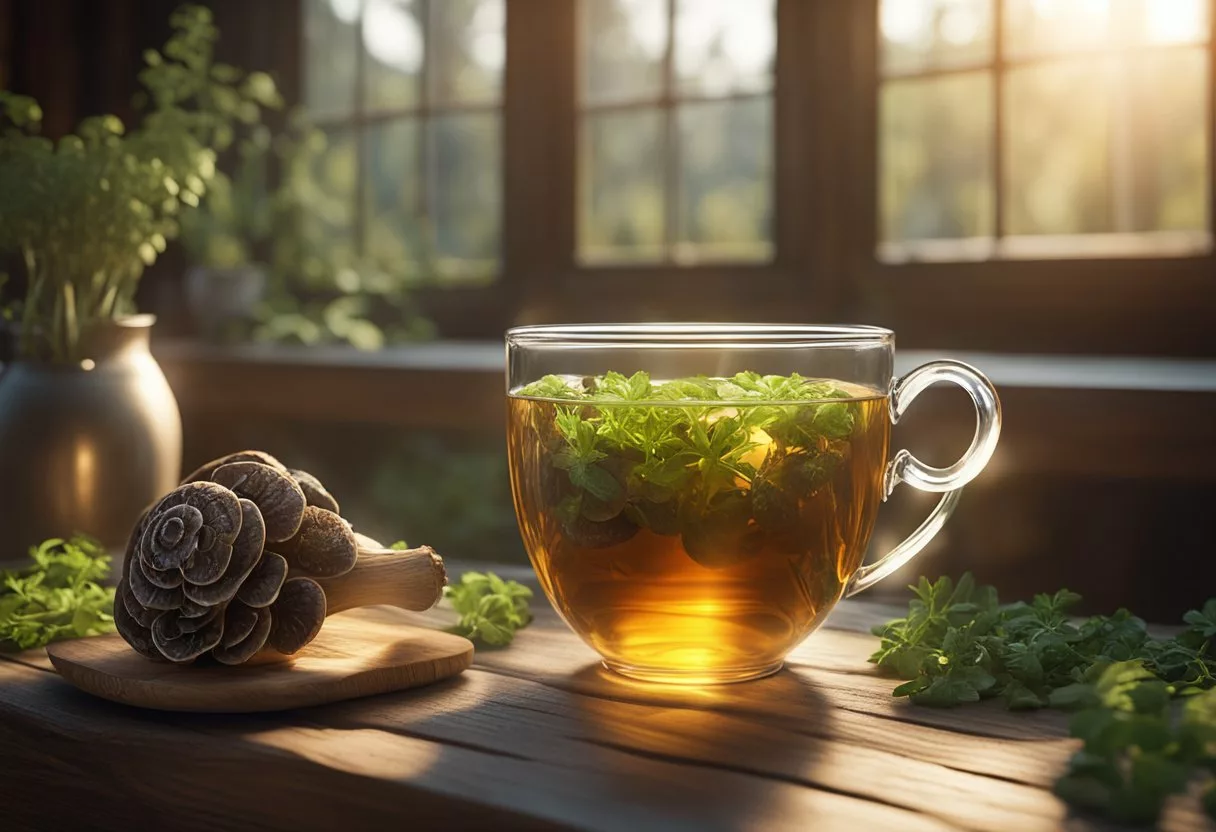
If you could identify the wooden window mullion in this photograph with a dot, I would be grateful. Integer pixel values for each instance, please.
(358, 132)
(422, 124)
(539, 135)
(671, 142)
(998, 120)
(1211, 119)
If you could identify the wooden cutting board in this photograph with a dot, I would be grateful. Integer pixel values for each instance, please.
(356, 654)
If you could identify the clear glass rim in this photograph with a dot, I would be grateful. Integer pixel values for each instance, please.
(697, 335)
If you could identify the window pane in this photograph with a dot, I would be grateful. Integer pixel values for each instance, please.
(465, 194)
(936, 158)
(1042, 26)
(393, 236)
(330, 220)
(1171, 21)
(1168, 142)
(622, 186)
(394, 51)
(623, 43)
(329, 56)
(467, 47)
(930, 34)
(1057, 151)
(725, 180)
(724, 46)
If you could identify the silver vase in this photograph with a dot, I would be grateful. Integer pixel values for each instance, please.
(86, 447)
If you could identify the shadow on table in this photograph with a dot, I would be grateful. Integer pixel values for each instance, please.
(770, 731)
(592, 742)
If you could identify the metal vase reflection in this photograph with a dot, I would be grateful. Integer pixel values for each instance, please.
(86, 447)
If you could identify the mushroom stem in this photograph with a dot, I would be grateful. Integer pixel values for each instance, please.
(412, 579)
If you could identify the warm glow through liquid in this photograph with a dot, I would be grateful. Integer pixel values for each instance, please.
(651, 609)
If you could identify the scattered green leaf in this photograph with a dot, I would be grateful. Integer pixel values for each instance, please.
(959, 645)
(59, 596)
(490, 609)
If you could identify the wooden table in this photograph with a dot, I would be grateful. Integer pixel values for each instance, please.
(539, 736)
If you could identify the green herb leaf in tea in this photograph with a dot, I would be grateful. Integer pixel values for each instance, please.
(712, 460)
(59, 596)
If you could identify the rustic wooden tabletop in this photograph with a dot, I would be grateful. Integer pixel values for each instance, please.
(539, 736)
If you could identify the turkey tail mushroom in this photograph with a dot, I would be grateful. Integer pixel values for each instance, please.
(198, 578)
(314, 491)
(412, 579)
(204, 472)
(277, 496)
(324, 547)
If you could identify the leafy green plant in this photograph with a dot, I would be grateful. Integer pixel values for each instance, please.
(88, 213)
(59, 596)
(234, 217)
(491, 610)
(321, 291)
(958, 644)
(1138, 748)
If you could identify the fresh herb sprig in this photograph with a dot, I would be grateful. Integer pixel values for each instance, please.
(958, 644)
(687, 456)
(491, 609)
(59, 596)
(1139, 748)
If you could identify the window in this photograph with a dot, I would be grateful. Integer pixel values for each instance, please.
(1043, 128)
(409, 94)
(977, 174)
(675, 147)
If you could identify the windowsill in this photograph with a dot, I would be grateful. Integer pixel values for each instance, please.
(455, 356)
(1147, 244)
(486, 358)
(1064, 416)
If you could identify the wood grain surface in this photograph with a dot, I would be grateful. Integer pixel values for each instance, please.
(539, 736)
(350, 658)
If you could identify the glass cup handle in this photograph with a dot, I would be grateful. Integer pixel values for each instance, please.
(948, 481)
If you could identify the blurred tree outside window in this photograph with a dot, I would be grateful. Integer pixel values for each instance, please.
(1043, 128)
(675, 131)
(409, 94)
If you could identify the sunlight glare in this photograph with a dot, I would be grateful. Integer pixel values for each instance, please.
(648, 25)
(1073, 9)
(904, 22)
(392, 34)
(961, 24)
(345, 10)
(486, 35)
(720, 40)
(1175, 21)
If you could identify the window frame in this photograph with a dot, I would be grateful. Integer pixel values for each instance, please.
(666, 103)
(1151, 305)
(568, 288)
(825, 264)
(465, 309)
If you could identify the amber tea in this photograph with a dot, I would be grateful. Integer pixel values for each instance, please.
(696, 529)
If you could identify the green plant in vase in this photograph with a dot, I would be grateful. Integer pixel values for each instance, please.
(89, 430)
(321, 289)
(223, 238)
(88, 213)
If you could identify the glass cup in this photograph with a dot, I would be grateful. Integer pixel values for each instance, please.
(695, 498)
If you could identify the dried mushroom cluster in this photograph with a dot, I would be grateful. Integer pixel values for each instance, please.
(248, 554)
